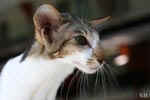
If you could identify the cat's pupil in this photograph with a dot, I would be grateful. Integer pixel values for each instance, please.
(81, 40)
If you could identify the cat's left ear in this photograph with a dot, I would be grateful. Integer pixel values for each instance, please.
(47, 20)
(94, 23)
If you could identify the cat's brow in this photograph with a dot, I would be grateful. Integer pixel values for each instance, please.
(77, 25)
(81, 30)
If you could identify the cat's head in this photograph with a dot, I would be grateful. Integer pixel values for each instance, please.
(68, 38)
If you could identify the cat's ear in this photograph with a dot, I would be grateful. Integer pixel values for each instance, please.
(99, 21)
(47, 20)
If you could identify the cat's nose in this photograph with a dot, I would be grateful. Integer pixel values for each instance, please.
(99, 54)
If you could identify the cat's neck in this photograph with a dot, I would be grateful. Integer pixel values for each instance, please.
(33, 79)
(56, 74)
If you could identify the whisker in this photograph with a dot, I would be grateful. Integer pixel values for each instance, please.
(71, 82)
(96, 80)
(78, 83)
(61, 89)
(81, 82)
(109, 80)
(111, 75)
(103, 80)
(84, 83)
(87, 80)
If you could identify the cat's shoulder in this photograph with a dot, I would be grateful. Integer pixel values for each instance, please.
(11, 63)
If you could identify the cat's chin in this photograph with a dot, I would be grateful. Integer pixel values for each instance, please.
(90, 71)
(87, 68)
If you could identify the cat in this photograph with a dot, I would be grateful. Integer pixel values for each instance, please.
(62, 43)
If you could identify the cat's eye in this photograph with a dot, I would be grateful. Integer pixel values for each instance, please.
(81, 40)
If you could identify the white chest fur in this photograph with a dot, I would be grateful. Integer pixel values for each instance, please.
(32, 79)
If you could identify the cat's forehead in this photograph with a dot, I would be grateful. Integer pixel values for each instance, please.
(74, 26)
(77, 24)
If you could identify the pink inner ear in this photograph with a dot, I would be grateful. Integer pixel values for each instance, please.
(47, 29)
(46, 15)
(46, 21)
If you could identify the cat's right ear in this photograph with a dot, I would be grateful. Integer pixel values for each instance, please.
(96, 22)
(46, 20)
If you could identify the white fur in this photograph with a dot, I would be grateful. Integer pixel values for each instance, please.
(79, 59)
(36, 78)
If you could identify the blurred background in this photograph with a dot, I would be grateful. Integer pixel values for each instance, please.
(125, 39)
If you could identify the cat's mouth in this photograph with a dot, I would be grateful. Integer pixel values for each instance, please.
(89, 68)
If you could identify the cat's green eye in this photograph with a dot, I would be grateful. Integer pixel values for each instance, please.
(81, 40)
